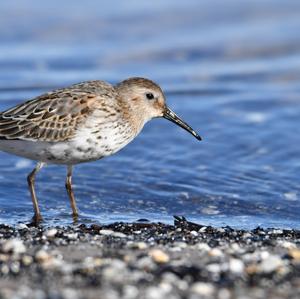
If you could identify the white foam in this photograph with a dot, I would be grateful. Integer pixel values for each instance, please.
(256, 117)
(23, 163)
(291, 196)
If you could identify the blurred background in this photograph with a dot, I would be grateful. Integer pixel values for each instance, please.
(231, 69)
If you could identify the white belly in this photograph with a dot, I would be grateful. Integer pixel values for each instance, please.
(83, 148)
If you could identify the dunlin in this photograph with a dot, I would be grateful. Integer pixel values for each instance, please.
(80, 123)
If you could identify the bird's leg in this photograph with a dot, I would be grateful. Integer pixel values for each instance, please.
(70, 192)
(31, 179)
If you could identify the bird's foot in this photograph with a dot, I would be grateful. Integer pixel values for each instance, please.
(36, 219)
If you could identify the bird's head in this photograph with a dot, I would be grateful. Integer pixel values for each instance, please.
(148, 101)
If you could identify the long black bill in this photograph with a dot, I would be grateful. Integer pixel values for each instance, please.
(170, 115)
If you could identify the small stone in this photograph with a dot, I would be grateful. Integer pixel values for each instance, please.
(215, 252)
(270, 264)
(203, 289)
(295, 254)
(51, 233)
(69, 293)
(276, 232)
(22, 226)
(236, 266)
(115, 271)
(15, 267)
(27, 260)
(119, 235)
(139, 245)
(159, 256)
(214, 268)
(224, 294)
(194, 233)
(4, 257)
(130, 291)
(247, 235)
(42, 256)
(287, 245)
(203, 247)
(73, 236)
(202, 229)
(4, 269)
(14, 246)
(106, 232)
(155, 293)
(145, 263)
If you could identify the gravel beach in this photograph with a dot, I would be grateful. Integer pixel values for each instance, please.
(148, 260)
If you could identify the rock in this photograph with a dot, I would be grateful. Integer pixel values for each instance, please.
(130, 292)
(22, 226)
(194, 233)
(203, 229)
(51, 233)
(138, 245)
(69, 293)
(72, 236)
(119, 235)
(42, 256)
(203, 289)
(159, 256)
(154, 292)
(106, 232)
(224, 294)
(295, 254)
(145, 263)
(215, 252)
(214, 268)
(236, 266)
(115, 271)
(270, 264)
(287, 245)
(203, 247)
(14, 246)
(27, 260)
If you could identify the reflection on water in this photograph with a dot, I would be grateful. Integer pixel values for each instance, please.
(232, 73)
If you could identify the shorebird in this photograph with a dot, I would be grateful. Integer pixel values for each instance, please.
(81, 123)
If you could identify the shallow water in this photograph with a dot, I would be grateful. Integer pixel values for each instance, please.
(232, 71)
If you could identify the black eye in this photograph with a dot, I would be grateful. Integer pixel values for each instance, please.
(149, 96)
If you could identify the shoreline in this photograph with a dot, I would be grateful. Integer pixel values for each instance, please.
(148, 260)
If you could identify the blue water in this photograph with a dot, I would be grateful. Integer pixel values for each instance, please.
(231, 69)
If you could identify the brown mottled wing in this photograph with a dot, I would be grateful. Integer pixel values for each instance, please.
(51, 117)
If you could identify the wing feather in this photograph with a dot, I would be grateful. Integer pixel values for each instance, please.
(51, 117)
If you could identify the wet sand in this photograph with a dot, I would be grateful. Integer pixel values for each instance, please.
(148, 260)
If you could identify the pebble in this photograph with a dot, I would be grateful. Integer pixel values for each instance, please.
(236, 266)
(194, 233)
(203, 289)
(203, 247)
(139, 245)
(108, 232)
(295, 254)
(270, 264)
(73, 236)
(159, 256)
(14, 246)
(22, 226)
(42, 256)
(214, 268)
(286, 244)
(215, 252)
(51, 233)
(27, 260)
